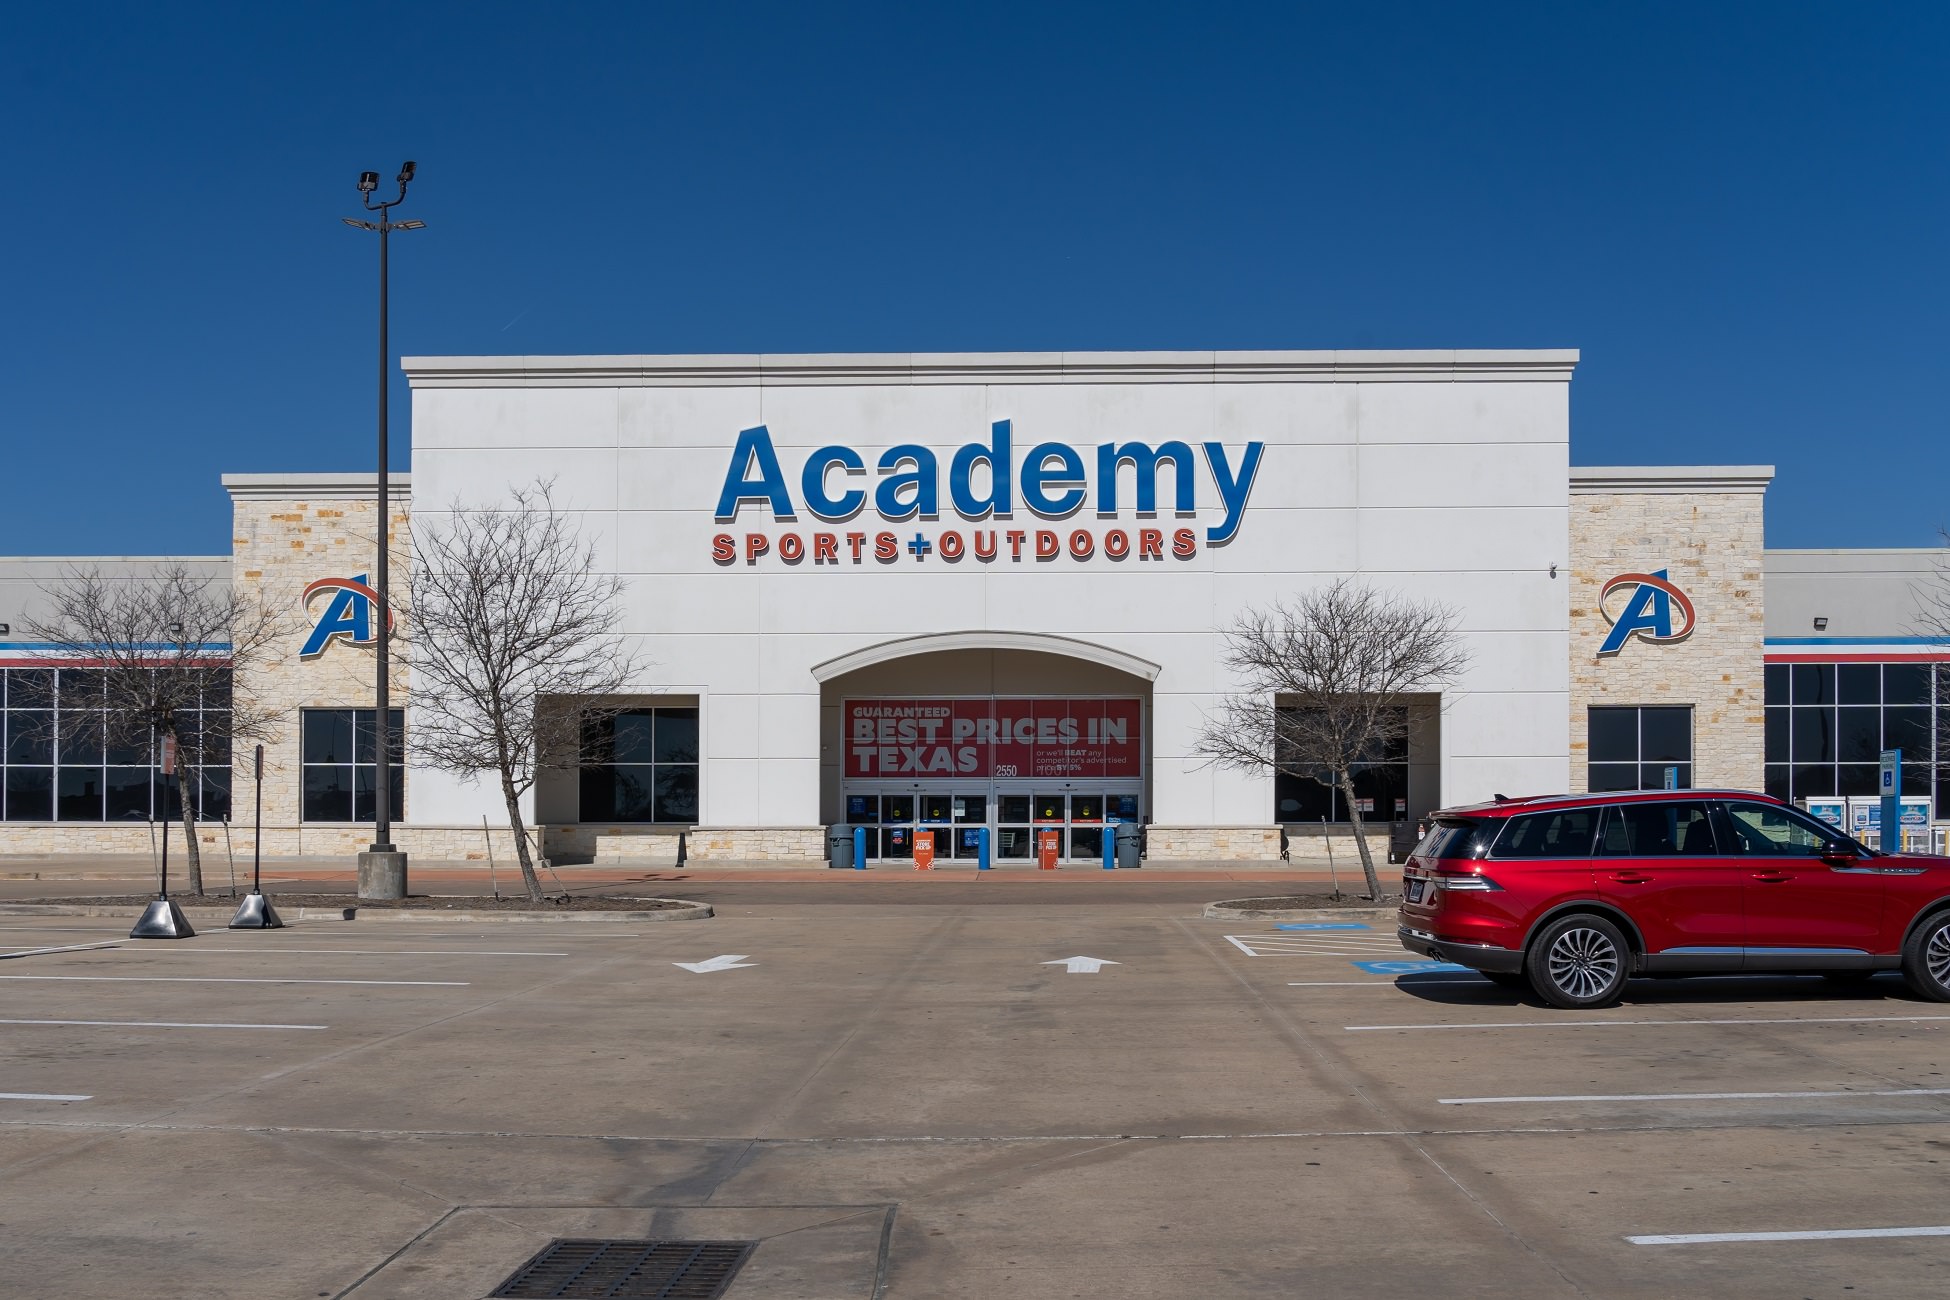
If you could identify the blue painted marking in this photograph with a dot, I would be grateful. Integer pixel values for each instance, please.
(1405, 967)
(1321, 925)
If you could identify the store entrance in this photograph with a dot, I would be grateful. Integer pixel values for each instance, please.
(1013, 811)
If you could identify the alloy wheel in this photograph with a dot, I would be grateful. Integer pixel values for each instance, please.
(1936, 955)
(1584, 962)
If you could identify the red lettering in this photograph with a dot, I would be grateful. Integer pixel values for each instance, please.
(951, 545)
(1082, 543)
(826, 548)
(1184, 543)
(984, 552)
(1015, 539)
(1151, 544)
(1117, 544)
(886, 547)
(724, 548)
(1047, 544)
(755, 546)
(854, 540)
(791, 548)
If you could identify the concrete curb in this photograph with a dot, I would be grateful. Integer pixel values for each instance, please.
(1214, 912)
(218, 917)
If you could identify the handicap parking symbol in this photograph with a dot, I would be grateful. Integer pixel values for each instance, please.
(1406, 967)
(1320, 925)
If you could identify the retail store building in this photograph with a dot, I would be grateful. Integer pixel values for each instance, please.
(962, 591)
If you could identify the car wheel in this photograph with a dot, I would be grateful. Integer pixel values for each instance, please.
(1506, 979)
(1926, 959)
(1578, 961)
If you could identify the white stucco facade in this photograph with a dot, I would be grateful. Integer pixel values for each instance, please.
(1440, 475)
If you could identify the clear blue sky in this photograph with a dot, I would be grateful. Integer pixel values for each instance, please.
(1738, 212)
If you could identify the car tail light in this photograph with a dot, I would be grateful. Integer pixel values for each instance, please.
(1465, 882)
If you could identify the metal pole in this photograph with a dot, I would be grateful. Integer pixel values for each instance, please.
(165, 838)
(257, 833)
(382, 838)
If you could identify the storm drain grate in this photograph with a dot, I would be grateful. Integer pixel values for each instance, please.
(629, 1270)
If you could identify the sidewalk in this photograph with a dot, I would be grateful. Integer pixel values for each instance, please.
(1272, 875)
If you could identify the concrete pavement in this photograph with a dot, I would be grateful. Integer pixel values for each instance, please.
(915, 1102)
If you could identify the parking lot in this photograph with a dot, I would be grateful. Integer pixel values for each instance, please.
(939, 1101)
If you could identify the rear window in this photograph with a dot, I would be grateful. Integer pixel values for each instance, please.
(1565, 833)
(1465, 837)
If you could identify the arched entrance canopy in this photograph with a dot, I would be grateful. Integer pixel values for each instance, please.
(1039, 642)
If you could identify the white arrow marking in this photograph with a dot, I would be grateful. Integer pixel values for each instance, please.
(1081, 965)
(725, 961)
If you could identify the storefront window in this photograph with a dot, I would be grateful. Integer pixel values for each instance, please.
(1827, 725)
(1634, 748)
(1381, 785)
(339, 756)
(648, 771)
(64, 758)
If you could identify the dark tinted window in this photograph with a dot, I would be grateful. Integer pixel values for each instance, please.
(1461, 838)
(1814, 683)
(1656, 830)
(1562, 834)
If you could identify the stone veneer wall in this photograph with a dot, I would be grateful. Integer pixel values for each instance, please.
(1710, 542)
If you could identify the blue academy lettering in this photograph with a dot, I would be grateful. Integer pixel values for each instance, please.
(1052, 480)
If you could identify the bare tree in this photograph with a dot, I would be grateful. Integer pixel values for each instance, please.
(514, 647)
(1933, 621)
(1323, 682)
(168, 646)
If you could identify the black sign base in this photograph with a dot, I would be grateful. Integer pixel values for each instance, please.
(256, 913)
(162, 919)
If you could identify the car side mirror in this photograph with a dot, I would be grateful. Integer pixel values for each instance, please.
(1838, 854)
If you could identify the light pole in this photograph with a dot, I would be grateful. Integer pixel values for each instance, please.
(382, 868)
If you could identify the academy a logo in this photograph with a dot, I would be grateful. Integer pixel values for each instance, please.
(1647, 613)
(347, 616)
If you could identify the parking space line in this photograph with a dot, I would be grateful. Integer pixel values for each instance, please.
(1697, 1096)
(1825, 1234)
(230, 979)
(66, 947)
(1385, 983)
(1663, 1024)
(155, 1024)
(353, 952)
(45, 1096)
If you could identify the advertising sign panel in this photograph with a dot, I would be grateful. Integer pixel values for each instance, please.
(994, 737)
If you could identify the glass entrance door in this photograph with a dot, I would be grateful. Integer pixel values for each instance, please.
(1014, 818)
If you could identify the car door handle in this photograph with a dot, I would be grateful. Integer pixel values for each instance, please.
(1630, 878)
(1772, 877)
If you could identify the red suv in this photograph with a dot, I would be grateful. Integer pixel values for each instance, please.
(1573, 894)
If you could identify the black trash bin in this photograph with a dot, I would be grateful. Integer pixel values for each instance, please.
(1127, 843)
(839, 847)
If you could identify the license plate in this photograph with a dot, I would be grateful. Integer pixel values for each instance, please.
(1414, 890)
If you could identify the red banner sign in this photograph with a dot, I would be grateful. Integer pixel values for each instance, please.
(988, 738)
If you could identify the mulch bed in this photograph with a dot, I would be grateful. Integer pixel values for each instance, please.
(412, 903)
(1295, 902)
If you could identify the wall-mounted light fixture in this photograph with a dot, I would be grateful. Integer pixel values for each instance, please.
(5, 628)
(1821, 623)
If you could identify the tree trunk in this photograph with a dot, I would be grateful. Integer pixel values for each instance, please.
(194, 870)
(1360, 836)
(528, 876)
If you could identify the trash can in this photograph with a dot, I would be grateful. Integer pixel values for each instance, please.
(1127, 843)
(839, 847)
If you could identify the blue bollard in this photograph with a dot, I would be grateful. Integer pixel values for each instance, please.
(982, 850)
(859, 848)
(1110, 846)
